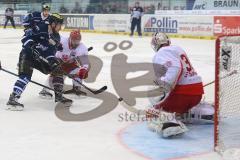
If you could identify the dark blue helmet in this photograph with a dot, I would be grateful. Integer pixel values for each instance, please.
(46, 6)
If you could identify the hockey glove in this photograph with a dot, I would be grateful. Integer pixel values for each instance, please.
(36, 53)
(59, 47)
(55, 64)
(28, 32)
(83, 73)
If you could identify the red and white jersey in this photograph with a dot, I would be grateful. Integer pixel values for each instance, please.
(67, 54)
(179, 71)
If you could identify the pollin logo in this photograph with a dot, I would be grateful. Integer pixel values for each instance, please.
(163, 24)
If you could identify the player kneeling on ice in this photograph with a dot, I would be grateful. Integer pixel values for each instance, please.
(38, 51)
(180, 85)
(74, 62)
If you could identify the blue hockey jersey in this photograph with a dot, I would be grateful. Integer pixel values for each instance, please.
(33, 19)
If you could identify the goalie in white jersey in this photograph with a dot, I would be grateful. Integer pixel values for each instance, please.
(179, 82)
(74, 61)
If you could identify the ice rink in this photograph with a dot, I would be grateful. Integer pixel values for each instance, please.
(37, 133)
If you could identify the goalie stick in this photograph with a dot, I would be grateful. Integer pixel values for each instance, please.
(145, 112)
(227, 75)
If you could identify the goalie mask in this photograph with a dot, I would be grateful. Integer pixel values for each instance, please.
(159, 40)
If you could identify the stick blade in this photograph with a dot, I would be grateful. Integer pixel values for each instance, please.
(100, 90)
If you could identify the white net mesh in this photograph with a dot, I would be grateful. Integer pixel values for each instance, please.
(228, 129)
(231, 154)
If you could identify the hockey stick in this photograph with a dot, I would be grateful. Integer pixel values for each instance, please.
(144, 112)
(39, 84)
(86, 87)
(83, 85)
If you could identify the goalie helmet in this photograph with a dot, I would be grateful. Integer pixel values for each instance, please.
(75, 38)
(158, 40)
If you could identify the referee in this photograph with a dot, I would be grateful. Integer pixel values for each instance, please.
(9, 17)
(136, 14)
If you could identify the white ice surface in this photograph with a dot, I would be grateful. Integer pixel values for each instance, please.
(36, 133)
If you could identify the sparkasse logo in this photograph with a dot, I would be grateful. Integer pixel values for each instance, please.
(217, 27)
(162, 24)
(226, 25)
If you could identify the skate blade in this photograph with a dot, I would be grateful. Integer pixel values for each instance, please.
(14, 108)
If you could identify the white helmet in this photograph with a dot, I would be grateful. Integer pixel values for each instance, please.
(158, 40)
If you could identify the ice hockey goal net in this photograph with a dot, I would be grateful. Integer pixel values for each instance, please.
(227, 93)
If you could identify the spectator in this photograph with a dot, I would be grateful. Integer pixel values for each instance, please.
(63, 9)
(151, 9)
(77, 8)
(9, 17)
(159, 6)
(114, 8)
(136, 15)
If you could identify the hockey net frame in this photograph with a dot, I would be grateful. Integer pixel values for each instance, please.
(219, 146)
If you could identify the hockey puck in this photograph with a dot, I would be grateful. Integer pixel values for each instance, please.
(120, 99)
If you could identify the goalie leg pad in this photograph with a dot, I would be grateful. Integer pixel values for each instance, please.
(203, 113)
(170, 129)
(166, 125)
(203, 108)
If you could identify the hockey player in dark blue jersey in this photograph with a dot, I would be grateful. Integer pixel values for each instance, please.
(38, 51)
(31, 21)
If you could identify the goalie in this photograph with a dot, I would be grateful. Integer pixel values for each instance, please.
(74, 62)
(179, 83)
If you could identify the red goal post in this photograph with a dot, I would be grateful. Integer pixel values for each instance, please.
(227, 93)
